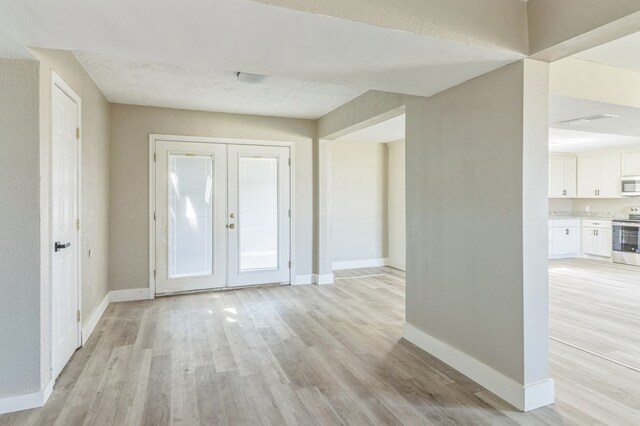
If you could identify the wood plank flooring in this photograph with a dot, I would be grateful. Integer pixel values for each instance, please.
(334, 355)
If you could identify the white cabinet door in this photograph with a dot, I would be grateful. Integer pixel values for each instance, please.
(631, 164)
(589, 241)
(603, 242)
(565, 241)
(609, 176)
(587, 177)
(562, 177)
(555, 177)
(570, 176)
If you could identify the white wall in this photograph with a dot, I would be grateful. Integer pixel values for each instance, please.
(476, 213)
(359, 201)
(94, 190)
(397, 230)
(19, 228)
(129, 189)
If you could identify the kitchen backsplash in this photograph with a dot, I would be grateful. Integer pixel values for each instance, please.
(599, 215)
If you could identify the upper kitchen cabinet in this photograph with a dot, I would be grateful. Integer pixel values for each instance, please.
(631, 164)
(599, 176)
(562, 176)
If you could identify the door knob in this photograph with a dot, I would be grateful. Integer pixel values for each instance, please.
(231, 225)
(59, 246)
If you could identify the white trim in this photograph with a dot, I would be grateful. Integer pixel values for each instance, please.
(90, 325)
(322, 279)
(27, 401)
(129, 295)
(524, 397)
(154, 137)
(362, 263)
(304, 279)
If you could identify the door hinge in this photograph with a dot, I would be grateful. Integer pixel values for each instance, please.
(154, 274)
(289, 161)
(289, 212)
(77, 224)
(154, 215)
(78, 315)
(289, 264)
(154, 157)
(78, 133)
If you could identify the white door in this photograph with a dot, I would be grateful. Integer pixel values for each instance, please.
(191, 195)
(222, 215)
(65, 327)
(259, 249)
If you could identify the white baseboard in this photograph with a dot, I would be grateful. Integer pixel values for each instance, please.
(525, 398)
(322, 279)
(304, 279)
(27, 401)
(91, 323)
(129, 295)
(362, 263)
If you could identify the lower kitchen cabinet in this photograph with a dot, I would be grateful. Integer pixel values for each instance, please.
(564, 238)
(596, 238)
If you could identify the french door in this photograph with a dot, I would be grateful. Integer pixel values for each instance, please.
(222, 215)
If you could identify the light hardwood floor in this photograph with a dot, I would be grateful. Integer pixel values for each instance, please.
(334, 355)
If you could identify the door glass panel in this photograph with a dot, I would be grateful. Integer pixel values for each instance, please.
(258, 213)
(190, 215)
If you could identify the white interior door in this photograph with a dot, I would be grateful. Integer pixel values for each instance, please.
(259, 222)
(65, 327)
(191, 249)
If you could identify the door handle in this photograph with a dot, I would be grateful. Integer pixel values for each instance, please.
(59, 246)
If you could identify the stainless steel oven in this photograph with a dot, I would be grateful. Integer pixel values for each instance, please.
(626, 242)
(631, 186)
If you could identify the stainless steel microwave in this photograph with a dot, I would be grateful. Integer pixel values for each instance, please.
(631, 186)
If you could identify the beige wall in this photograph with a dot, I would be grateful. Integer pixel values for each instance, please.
(359, 201)
(130, 129)
(476, 211)
(95, 179)
(397, 228)
(20, 267)
(577, 78)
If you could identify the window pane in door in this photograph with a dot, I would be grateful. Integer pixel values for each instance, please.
(258, 212)
(190, 215)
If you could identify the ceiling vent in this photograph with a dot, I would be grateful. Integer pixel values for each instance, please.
(589, 119)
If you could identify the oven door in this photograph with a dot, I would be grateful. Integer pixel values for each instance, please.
(631, 186)
(625, 237)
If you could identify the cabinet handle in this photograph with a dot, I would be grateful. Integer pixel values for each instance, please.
(567, 232)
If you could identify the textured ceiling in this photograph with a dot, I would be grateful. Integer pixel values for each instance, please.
(154, 84)
(145, 52)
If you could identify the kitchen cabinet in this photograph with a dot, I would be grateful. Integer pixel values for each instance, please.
(631, 164)
(599, 176)
(564, 238)
(562, 177)
(596, 237)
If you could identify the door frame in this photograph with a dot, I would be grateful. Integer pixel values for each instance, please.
(154, 138)
(58, 82)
